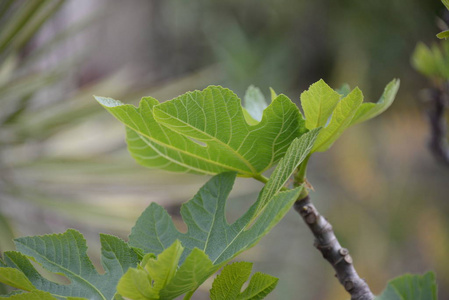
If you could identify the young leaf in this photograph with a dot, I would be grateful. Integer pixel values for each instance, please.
(65, 254)
(368, 111)
(206, 132)
(208, 229)
(228, 285)
(34, 295)
(296, 153)
(408, 286)
(16, 279)
(318, 103)
(427, 60)
(197, 267)
(159, 278)
(254, 102)
(443, 34)
(341, 119)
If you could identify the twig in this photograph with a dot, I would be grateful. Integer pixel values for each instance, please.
(327, 243)
(437, 143)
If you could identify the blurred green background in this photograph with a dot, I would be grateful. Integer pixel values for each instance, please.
(64, 163)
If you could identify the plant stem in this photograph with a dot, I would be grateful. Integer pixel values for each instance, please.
(188, 295)
(261, 178)
(327, 243)
(437, 143)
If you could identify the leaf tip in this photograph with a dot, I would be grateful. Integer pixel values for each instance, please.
(108, 102)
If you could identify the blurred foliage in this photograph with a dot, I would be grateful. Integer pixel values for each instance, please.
(433, 61)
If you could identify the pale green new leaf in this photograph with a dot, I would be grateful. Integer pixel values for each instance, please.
(160, 278)
(254, 102)
(65, 254)
(136, 285)
(443, 34)
(341, 118)
(228, 285)
(318, 103)
(368, 111)
(408, 287)
(427, 60)
(208, 229)
(273, 94)
(34, 295)
(15, 278)
(197, 267)
(295, 155)
(206, 132)
(162, 269)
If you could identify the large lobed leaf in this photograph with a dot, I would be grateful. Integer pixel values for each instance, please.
(411, 287)
(228, 285)
(210, 241)
(205, 217)
(207, 132)
(65, 254)
(208, 229)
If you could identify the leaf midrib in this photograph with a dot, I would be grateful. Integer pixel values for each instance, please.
(237, 154)
(193, 155)
(65, 269)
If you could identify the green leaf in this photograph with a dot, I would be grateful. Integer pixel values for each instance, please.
(206, 132)
(16, 279)
(341, 118)
(34, 295)
(318, 103)
(432, 62)
(196, 268)
(259, 287)
(228, 284)
(162, 269)
(159, 278)
(273, 94)
(443, 34)
(65, 254)
(296, 153)
(208, 229)
(408, 287)
(254, 102)
(136, 285)
(368, 111)
(446, 3)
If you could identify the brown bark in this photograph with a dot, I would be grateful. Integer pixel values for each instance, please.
(438, 143)
(327, 243)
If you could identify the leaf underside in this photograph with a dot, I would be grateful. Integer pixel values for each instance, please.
(407, 287)
(228, 285)
(210, 241)
(65, 254)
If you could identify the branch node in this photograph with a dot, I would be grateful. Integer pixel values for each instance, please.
(349, 284)
(343, 251)
(311, 218)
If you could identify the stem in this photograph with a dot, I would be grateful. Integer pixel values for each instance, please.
(327, 243)
(188, 295)
(261, 178)
(437, 143)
